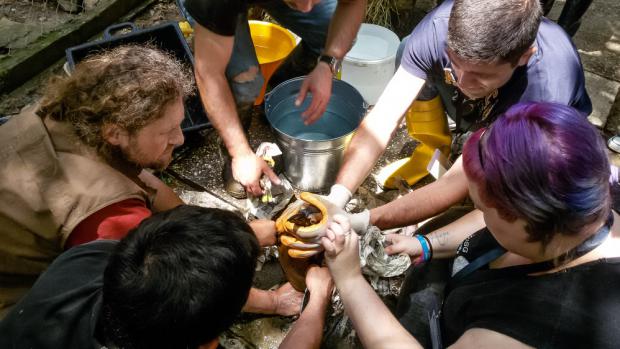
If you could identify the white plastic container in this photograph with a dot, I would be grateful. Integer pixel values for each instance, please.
(370, 63)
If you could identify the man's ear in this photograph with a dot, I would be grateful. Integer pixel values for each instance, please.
(114, 135)
(525, 57)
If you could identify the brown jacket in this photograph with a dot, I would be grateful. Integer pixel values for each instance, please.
(49, 183)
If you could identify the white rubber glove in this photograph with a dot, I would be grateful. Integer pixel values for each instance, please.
(339, 195)
(359, 221)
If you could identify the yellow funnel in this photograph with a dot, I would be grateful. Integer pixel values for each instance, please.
(272, 44)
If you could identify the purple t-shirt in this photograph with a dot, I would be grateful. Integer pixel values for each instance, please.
(553, 74)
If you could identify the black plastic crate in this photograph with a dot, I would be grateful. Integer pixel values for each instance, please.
(167, 37)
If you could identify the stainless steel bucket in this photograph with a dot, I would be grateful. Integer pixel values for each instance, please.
(313, 154)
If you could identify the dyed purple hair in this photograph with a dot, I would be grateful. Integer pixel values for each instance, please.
(543, 163)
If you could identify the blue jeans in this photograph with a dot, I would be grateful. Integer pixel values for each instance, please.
(311, 27)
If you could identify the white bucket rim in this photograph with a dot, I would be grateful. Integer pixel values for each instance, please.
(362, 61)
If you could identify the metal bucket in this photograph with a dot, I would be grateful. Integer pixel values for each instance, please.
(313, 154)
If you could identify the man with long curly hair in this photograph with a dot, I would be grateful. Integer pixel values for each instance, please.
(74, 163)
(74, 166)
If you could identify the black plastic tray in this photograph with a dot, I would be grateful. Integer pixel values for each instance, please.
(167, 37)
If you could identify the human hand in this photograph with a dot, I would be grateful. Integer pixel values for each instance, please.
(319, 282)
(319, 84)
(410, 245)
(265, 231)
(287, 300)
(341, 251)
(299, 248)
(308, 233)
(403, 244)
(248, 168)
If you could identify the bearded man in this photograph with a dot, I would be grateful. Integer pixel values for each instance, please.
(74, 165)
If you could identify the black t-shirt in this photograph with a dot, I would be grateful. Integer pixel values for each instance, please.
(219, 16)
(62, 308)
(575, 308)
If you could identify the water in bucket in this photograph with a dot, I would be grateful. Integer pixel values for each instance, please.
(331, 125)
(373, 48)
(312, 154)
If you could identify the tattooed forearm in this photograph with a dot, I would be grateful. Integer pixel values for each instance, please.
(439, 238)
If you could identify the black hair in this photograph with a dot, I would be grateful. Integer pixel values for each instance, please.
(493, 30)
(178, 280)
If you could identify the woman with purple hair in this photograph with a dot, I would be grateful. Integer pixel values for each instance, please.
(544, 272)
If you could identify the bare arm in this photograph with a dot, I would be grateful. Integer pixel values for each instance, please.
(373, 321)
(165, 197)
(375, 324)
(265, 231)
(377, 129)
(308, 329)
(344, 27)
(342, 30)
(444, 241)
(424, 202)
(285, 301)
(483, 339)
(260, 301)
(212, 54)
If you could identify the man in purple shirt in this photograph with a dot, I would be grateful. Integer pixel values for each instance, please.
(473, 60)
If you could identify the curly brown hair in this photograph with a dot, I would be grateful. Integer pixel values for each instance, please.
(128, 86)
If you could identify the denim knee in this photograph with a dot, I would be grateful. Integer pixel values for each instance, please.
(245, 88)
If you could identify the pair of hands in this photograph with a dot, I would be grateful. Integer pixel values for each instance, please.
(304, 241)
(247, 169)
(292, 235)
(288, 300)
(341, 246)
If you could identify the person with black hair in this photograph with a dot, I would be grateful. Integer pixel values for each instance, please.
(177, 281)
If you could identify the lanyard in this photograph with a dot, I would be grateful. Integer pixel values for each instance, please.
(586, 246)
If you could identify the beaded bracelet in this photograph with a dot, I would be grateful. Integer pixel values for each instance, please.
(427, 249)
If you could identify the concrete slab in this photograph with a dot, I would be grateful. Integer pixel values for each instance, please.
(18, 66)
(598, 38)
(603, 92)
(16, 35)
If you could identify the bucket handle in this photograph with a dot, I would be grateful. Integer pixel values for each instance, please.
(267, 97)
(107, 33)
